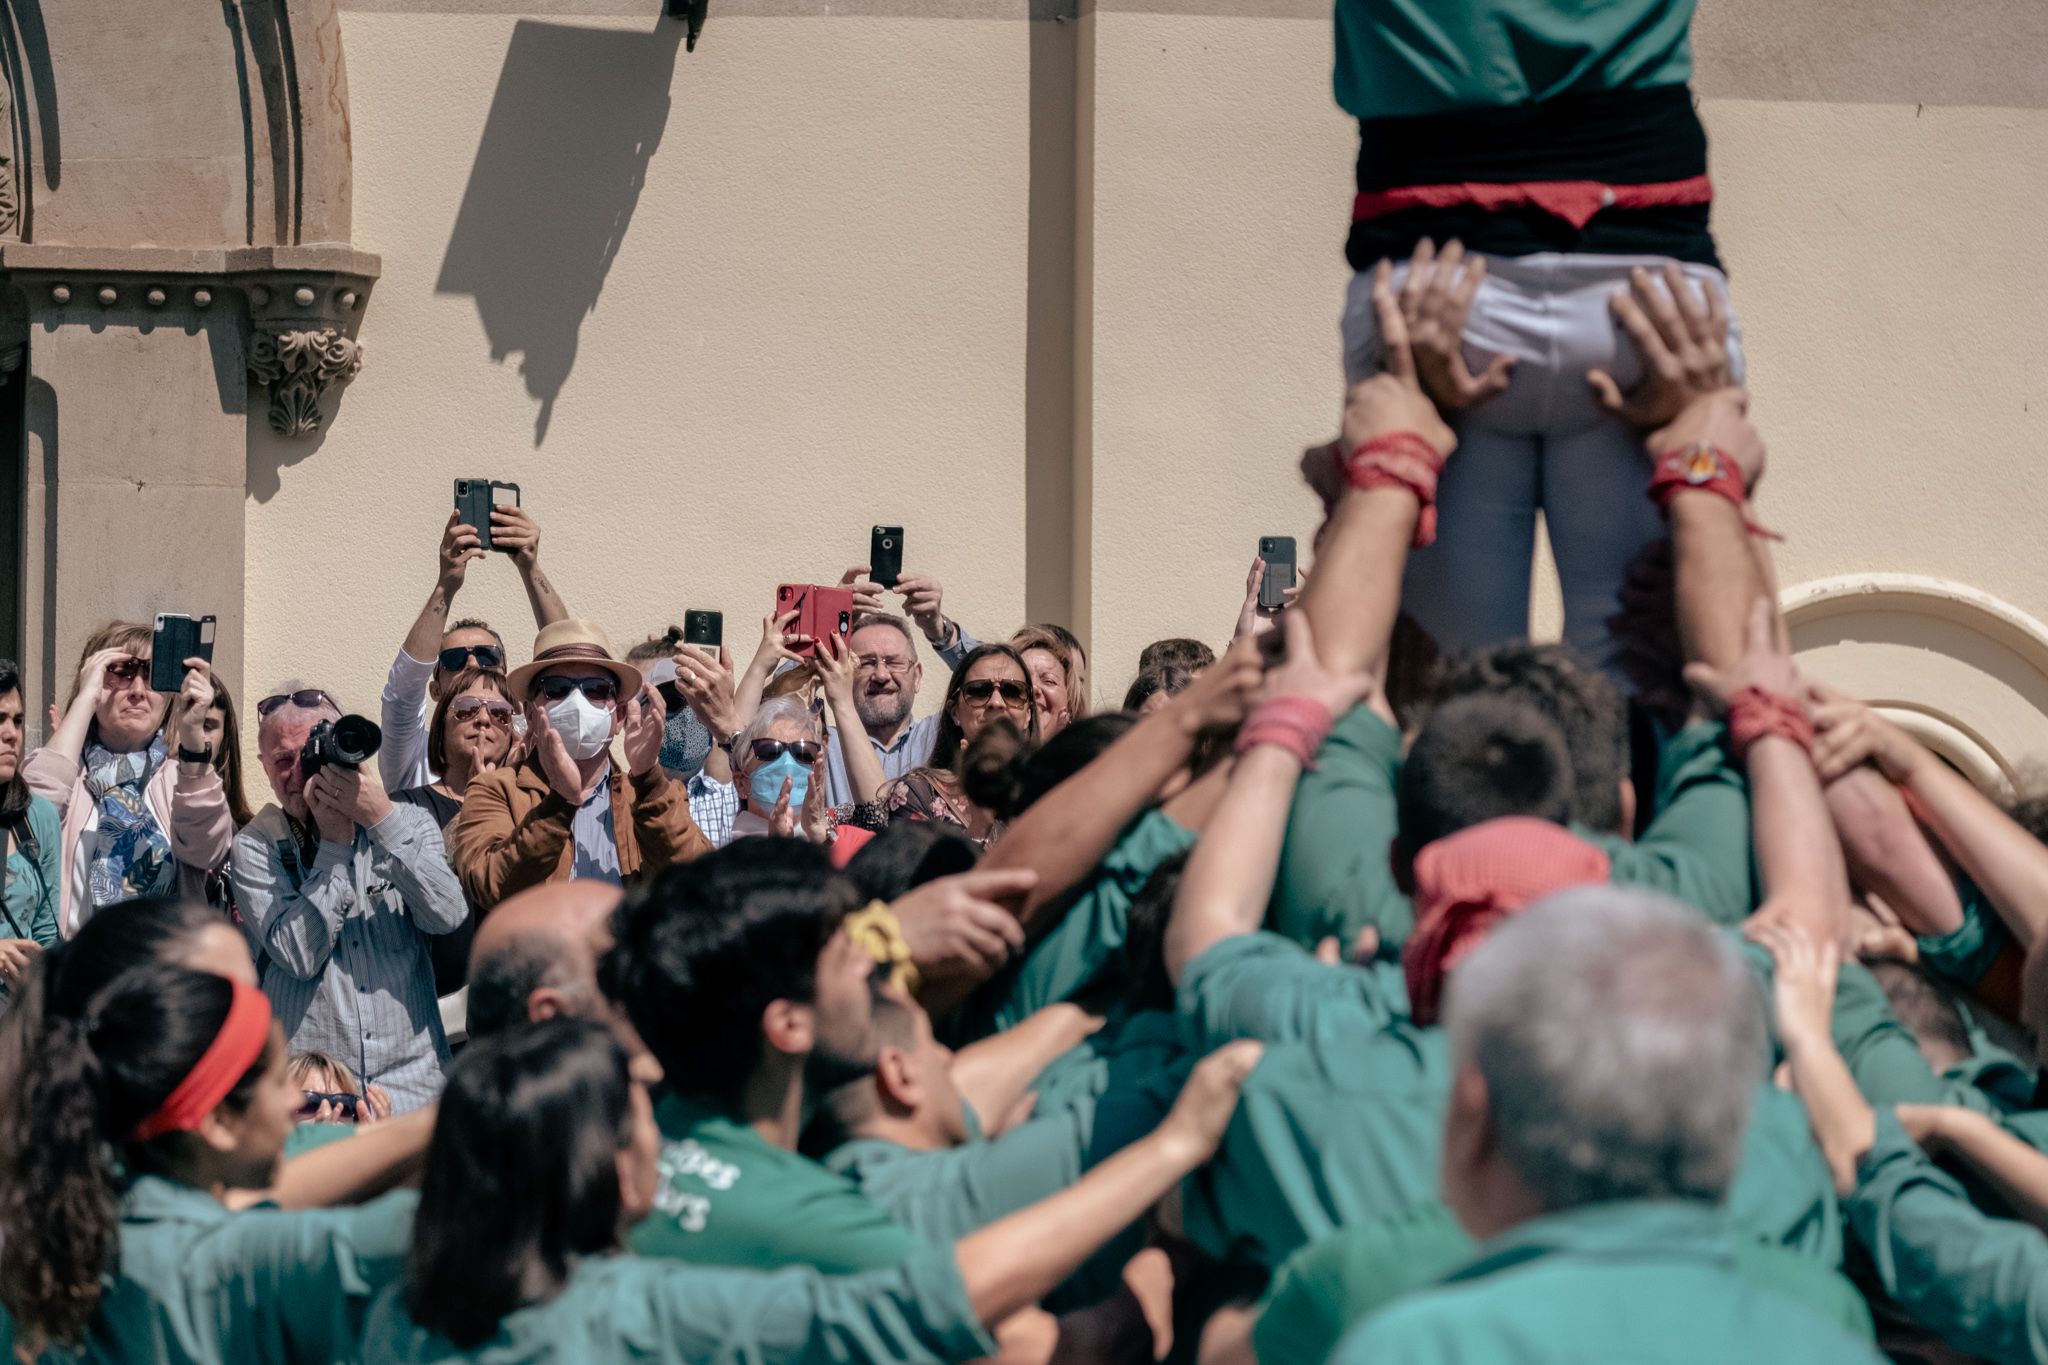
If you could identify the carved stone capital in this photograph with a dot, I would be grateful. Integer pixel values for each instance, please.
(300, 365)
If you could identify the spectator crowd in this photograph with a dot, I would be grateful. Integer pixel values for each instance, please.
(1378, 986)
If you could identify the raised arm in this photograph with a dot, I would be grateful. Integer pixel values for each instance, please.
(1012, 1264)
(1066, 833)
(2008, 864)
(1229, 877)
(1354, 594)
(995, 1074)
(775, 650)
(514, 529)
(833, 666)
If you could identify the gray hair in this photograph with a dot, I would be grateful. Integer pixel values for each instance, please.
(1621, 1040)
(772, 710)
(290, 711)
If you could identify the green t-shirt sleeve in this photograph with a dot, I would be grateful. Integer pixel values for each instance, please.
(1089, 936)
(1883, 1058)
(1979, 1283)
(1325, 1288)
(307, 1137)
(917, 1312)
(943, 1196)
(312, 1272)
(1697, 849)
(1269, 988)
(1809, 1284)
(1966, 954)
(1335, 875)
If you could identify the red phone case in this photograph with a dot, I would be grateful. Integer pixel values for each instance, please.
(821, 611)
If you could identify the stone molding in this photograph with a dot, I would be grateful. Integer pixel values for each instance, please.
(304, 305)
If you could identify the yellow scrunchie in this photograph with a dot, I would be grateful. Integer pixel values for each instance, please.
(875, 930)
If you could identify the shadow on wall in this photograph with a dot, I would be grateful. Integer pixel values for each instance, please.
(576, 118)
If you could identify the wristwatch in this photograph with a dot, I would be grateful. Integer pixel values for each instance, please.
(186, 755)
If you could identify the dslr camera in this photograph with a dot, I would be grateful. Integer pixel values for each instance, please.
(350, 742)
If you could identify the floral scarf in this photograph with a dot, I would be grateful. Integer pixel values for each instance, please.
(131, 855)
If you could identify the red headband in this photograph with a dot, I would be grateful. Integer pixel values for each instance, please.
(226, 1060)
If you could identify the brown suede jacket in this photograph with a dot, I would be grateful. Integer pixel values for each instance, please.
(514, 831)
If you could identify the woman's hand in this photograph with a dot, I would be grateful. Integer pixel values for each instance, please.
(195, 700)
(92, 679)
(816, 827)
(782, 820)
(16, 954)
(374, 1107)
(1254, 619)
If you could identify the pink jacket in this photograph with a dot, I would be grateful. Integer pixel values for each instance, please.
(201, 827)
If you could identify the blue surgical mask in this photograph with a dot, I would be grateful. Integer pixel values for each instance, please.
(764, 788)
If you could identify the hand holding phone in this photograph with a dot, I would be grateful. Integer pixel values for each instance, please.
(474, 499)
(178, 638)
(821, 611)
(1278, 554)
(885, 555)
(706, 628)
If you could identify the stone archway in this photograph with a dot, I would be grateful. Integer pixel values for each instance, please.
(175, 239)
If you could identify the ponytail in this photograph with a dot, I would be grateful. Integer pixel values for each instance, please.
(58, 1212)
(70, 1111)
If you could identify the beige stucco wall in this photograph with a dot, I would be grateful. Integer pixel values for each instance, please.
(806, 294)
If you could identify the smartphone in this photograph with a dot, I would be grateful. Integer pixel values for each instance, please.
(706, 628)
(1278, 552)
(820, 612)
(178, 638)
(885, 555)
(474, 499)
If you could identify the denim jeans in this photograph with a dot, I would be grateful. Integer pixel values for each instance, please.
(1543, 444)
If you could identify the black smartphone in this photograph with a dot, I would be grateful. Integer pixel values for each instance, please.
(178, 638)
(474, 499)
(885, 555)
(1278, 552)
(706, 628)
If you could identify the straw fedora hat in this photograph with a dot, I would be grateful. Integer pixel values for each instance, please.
(573, 642)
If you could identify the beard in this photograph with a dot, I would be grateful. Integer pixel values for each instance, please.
(882, 710)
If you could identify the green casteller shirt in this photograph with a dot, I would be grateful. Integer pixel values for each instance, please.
(652, 1312)
(1627, 1281)
(1135, 1057)
(1335, 877)
(1977, 1282)
(730, 1197)
(1404, 57)
(1328, 1288)
(200, 1284)
(1342, 1121)
(1087, 942)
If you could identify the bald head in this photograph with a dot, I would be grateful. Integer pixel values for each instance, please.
(535, 955)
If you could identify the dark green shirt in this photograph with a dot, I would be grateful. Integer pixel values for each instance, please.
(1335, 877)
(658, 1312)
(730, 1197)
(1329, 1287)
(1404, 57)
(199, 1284)
(1630, 1281)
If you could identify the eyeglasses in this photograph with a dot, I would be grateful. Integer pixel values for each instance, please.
(486, 656)
(877, 663)
(981, 689)
(602, 689)
(496, 711)
(805, 750)
(306, 700)
(127, 670)
(344, 1105)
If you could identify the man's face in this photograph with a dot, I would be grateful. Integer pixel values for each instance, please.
(468, 638)
(886, 676)
(844, 1047)
(279, 742)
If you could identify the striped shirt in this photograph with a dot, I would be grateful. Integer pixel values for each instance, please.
(343, 943)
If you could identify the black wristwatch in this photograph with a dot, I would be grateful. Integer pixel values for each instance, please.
(186, 755)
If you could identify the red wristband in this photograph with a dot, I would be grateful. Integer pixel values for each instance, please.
(1754, 713)
(1706, 469)
(1401, 459)
(1297, 724)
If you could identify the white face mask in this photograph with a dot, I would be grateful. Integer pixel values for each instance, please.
(585, 727)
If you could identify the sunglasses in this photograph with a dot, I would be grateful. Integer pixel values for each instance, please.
(306, 700)
(486, 656)
(344, 1105)
(498, 712)
(127, 670)
(981, 689)
(602, 689)
(806, 750)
